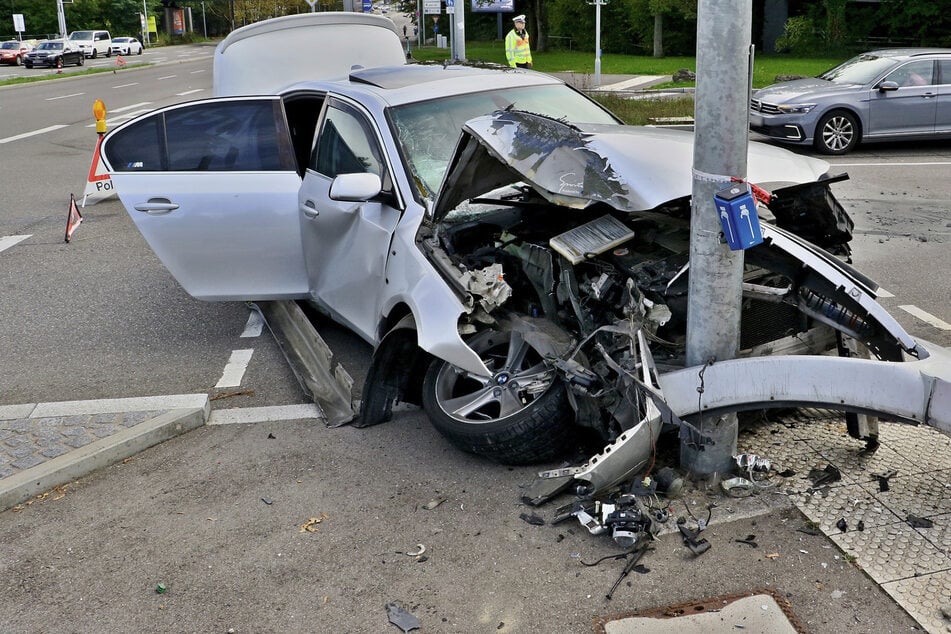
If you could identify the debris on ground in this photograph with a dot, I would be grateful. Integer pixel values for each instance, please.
(401, 618)
(749, 540)
(311, 525)
(883, 479)
(434, 503)
(532, 519)
(737, 487)
(842, 525)
(161, 588)
(918, 522)
(826, 475)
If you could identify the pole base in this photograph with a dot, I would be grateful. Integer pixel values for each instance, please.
(716, 458)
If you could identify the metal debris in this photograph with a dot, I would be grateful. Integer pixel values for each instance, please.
(883, 478)
(918, 522)
(750, 540)
(420, 549)
(827, 475)
(737, 487)
(532, 519)
(401, 618)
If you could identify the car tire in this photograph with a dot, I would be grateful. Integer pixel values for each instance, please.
(837, 132)
(28, 65)
(539, 424)
(109, 53)
(81, 60)
(95, 53)
(17, 60)
(141, 49)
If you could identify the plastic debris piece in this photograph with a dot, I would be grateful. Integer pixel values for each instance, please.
(401, 618)
(837, 594)
(752, 462)
(160, 588)
(433, 503)
(267, 501)
(311, 525)
(842, 525)
(532, 519)
(696, 546)
(787, 473)
(918, 522)
(749, 540)
(826, 475)
(737, 487)
(420, 549)
(771, 555)
(883, 479)
(861, 525)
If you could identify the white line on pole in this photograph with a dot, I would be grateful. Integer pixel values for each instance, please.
(926, 317)
(235, 368)
(26, 135)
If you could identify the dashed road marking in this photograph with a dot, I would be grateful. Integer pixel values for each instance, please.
(881, 292)
(926, 317)
(167, 77)
(27, 135)
(130, 107)
(195, 72)
(75, 94)
(188, 92)
(135, 83)
(8, 241)
(235, 368)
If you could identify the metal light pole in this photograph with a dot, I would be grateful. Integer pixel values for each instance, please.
(597, 41)
(716, 273)
(204, 25)
(145, 12)
(61, 18)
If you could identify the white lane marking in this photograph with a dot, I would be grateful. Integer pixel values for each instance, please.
(115, 405)
(188, 92)
(195, 72)
(26, 135)
(892, 164)
(881, 292)
(8, 241)
(254, 326)
(124, 117)
(135, 105)
(235, 368)
(926, 317)
(166, 77)
(264, 414)
(75, 94)
(135, 83)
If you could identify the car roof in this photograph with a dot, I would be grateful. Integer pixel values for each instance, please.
(909, 52)
(397, 85)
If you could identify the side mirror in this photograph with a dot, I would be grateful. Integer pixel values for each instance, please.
(887, 86)
(355, 187)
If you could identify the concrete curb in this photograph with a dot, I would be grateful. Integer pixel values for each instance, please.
(22, 486)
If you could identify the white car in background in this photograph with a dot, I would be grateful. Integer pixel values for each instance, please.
(517, 257)
(126, 46)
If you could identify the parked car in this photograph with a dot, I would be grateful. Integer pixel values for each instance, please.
(517, 256)
(890, 94)
(126, 46)
(92, 43)
(54, 53)
(13, 52)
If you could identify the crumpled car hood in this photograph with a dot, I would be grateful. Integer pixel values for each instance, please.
(627, 167)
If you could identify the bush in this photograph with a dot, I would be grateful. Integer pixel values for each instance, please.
(799, 37)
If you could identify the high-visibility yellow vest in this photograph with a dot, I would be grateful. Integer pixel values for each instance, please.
(517, 49)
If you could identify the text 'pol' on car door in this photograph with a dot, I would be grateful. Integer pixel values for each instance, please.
(212, 186)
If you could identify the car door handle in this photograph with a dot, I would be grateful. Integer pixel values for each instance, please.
(157, 206)
(310, 209)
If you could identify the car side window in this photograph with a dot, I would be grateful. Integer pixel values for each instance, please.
(944, 71)
(246, 135)
(917, 73)
(346, 145)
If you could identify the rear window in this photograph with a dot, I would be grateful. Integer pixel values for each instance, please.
(81, 35)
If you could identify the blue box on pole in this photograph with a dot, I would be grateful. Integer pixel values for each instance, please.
(737, 210)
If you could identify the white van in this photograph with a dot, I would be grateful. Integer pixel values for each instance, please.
(92, 43)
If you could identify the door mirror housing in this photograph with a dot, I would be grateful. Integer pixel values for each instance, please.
(887, 86)
(355, 187)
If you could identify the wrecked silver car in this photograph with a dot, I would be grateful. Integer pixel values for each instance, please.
(517, 258)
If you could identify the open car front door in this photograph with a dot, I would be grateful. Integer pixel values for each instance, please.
(212, 186)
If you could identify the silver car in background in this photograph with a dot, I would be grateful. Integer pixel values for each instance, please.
(884, 95)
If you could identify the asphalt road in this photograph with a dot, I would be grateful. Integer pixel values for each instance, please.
(216, 515)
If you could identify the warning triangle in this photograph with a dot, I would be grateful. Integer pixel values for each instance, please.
(98, 183)
(73, 218)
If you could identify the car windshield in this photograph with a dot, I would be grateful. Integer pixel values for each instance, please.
(81, 35)
(120, 40)
(427, 131)
(9, 45)
(50, 46)
(859, 70)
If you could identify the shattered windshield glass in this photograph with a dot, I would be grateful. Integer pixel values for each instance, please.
(427, 131)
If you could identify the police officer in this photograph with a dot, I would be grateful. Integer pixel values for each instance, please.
(517, 49)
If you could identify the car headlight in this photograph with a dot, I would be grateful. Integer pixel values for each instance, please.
(796, 108)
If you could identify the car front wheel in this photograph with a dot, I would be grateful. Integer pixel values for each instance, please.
(81, 60)
(519, 415)
(95, 53)
(837, 133)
